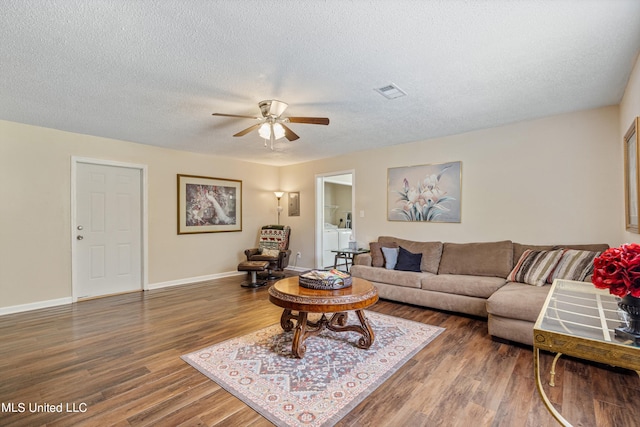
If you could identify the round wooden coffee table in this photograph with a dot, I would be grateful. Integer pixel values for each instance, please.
(288, 294)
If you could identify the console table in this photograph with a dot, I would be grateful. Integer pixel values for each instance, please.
(578, 320)
(347, 255)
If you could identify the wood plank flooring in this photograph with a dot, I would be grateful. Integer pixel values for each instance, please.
(116, 361)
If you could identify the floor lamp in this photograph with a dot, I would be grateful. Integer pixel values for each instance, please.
(279, 195)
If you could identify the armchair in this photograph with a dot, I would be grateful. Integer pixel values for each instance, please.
(273, 246)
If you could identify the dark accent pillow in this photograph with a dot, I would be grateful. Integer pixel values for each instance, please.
(408, 261)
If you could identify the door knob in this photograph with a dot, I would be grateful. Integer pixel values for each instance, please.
(79, 237)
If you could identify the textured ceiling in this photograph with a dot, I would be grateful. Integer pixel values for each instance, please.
(153, 71)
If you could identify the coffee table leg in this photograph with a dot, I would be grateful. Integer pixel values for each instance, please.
(339, 319)
(298, 348)
(338, 324)
(285, 320)
(367, 333)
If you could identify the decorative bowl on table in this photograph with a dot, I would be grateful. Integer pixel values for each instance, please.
(327, 280)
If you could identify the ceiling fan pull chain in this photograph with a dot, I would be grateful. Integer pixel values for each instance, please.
(272, 136)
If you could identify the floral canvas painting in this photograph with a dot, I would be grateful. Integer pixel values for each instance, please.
(426, 193)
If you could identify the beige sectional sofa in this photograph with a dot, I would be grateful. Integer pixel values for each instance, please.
(470, 278)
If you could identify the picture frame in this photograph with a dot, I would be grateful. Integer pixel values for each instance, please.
(208, 205)
(631, 176)
(425, 193)
(294, 203)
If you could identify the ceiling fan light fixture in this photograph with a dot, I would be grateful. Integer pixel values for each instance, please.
(271, 125)
(265, 131)
(278, 131)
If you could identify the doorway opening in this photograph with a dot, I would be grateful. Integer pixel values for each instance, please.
(335, 204)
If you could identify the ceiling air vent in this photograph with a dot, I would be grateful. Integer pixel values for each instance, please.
(391, 91)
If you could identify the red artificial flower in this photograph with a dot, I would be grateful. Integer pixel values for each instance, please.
(618, 269)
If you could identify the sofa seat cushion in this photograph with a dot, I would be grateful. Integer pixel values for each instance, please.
(407, 279)
(518, 301)
(473, 286)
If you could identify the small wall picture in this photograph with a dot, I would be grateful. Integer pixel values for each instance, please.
(425, 193)
(209, 205)
(294, 203)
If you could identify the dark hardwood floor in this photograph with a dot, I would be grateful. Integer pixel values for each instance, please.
(116, 361)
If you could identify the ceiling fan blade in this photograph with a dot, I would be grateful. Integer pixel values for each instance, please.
(309, 120)
(237, 116)
(249, 129)
(289, 134)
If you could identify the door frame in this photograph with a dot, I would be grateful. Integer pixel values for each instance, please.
(144, 235)
(320, 209)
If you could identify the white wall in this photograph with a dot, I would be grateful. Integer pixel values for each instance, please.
(553, 180)
(35, 182)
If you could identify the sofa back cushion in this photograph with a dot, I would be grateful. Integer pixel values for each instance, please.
(377, 256)
(478, 259)
(431, 251)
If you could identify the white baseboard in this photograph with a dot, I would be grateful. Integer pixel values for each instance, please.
(189, 280)
(159, 285)
(35, 305)
(301, 269)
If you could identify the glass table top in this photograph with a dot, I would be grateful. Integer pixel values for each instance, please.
(581, 310)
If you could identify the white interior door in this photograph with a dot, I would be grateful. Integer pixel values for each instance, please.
(108, 230)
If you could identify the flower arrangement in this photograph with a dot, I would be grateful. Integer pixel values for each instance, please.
(618, 269)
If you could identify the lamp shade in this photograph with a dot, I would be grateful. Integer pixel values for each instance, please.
(279, 194)
(265, 131)
(278, 131)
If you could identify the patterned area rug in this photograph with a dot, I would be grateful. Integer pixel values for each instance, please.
(332, 379)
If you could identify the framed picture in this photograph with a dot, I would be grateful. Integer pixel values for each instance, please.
(209, 205)
(631, 179)
(426, 193)
(294, 203)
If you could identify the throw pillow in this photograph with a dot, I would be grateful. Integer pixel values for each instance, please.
(271, 252)
(390, 257)
(534, 267)
(408, 261)
(574, 265)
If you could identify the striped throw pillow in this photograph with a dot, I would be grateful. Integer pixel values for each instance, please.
(534, 267)
(574, 265)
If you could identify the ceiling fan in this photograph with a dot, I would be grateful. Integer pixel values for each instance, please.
(272, 126)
